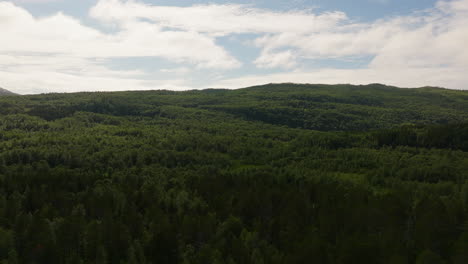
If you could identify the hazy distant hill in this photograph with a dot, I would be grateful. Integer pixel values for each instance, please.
(5, 92)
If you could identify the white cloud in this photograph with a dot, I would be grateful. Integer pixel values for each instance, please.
(179, 70)
(415, 40)
(27, 74)
(432, 38)
(284, 59)
(60, 53)
(218, 20)
(328, 35)
(61, 34)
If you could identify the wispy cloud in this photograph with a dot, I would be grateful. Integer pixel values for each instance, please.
(215, 19)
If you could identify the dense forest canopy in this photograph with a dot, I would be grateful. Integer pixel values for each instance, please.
(281, 173)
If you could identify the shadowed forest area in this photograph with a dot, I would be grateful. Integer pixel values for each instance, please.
(280, 173)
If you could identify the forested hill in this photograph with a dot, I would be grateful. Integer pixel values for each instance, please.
(5, 92)
(316, 107)
(274, 174)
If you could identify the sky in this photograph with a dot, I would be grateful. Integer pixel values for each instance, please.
(115, 45)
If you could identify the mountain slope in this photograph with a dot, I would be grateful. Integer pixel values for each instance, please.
(5, 92)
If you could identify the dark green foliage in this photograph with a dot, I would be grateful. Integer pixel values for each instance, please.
(273, 174)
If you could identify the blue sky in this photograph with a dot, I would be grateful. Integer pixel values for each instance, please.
(69, 45)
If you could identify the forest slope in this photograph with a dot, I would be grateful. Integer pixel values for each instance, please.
(5, 92)
(272, 174)
(318, 107)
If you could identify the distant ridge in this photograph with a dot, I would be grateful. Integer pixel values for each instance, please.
(5, 92)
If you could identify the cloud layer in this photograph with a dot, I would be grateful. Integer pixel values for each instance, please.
(61, 53)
